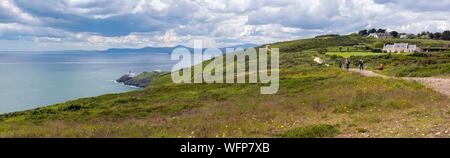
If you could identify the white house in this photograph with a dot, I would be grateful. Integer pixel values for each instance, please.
(380, 35)
(400, 48)
(130, 74)
(403, 36)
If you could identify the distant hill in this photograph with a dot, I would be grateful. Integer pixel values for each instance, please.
(167, 49)
(245, 46)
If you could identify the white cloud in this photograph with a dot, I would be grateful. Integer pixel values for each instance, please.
(8, 7)
(418, 5)
(138, 23)
(13, 30)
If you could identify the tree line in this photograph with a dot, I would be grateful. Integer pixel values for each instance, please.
(445, 35)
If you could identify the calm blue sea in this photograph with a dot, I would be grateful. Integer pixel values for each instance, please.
(30, 80)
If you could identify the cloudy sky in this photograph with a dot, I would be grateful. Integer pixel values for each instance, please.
(101, 24)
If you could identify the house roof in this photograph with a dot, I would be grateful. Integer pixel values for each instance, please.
(400, 46)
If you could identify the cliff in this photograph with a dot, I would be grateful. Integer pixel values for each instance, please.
(142, 80)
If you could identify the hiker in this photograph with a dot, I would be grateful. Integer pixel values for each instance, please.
(339, 63)
(381, 68)
(361, 64)
(347, 64)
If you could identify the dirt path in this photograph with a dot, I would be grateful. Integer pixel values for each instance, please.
(441, 85)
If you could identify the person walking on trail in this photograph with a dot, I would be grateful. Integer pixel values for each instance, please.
(347, 64)
(339, 62)
(381, 67)
(361, 64)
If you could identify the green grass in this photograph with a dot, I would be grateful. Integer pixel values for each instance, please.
(313, 101)
(349, 54)
(423, 43)
(149, 75)
(404, 65)
(315, 131)
(315, 43)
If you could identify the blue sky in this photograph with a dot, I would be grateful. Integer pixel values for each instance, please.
(101, 24)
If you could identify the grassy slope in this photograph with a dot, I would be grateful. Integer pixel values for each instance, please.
(313, 101)
(414, 65)
(400, 65)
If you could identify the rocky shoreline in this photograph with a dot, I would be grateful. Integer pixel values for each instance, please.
(142, 80)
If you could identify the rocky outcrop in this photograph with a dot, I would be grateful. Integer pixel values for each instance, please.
(142, 80)
(124, 78)
(127, 80)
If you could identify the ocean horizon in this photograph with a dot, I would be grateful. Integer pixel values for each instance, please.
(31, 80)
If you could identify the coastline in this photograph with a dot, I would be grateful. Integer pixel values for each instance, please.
(35, 80)
(140, 82)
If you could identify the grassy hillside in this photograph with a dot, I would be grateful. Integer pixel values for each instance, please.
(412, 65)
(426, 64)
(333, 43)
(313, 101)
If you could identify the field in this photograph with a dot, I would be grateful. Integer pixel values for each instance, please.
(349, 54)
(313, 101)
(405, 64)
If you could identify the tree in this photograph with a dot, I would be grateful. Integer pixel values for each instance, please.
(425, 34)
(411, 36)
(445, 35)
(381, 31)
(394, 34)
(372, 31)
(437, 35)
(378, 45)
(363, 33)
(431, 35)
(322, 51)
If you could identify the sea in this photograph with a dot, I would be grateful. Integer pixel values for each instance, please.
(29, 80)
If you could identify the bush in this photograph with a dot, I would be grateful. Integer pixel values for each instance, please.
(314, 131)
(376, 50)
(378, 45)
(75, 107)
(416, 54)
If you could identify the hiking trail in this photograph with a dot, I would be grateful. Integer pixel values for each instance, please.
(441, 85)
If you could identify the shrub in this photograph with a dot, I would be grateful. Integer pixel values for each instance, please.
(75, 107)
(126, 100)
(314, 131)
